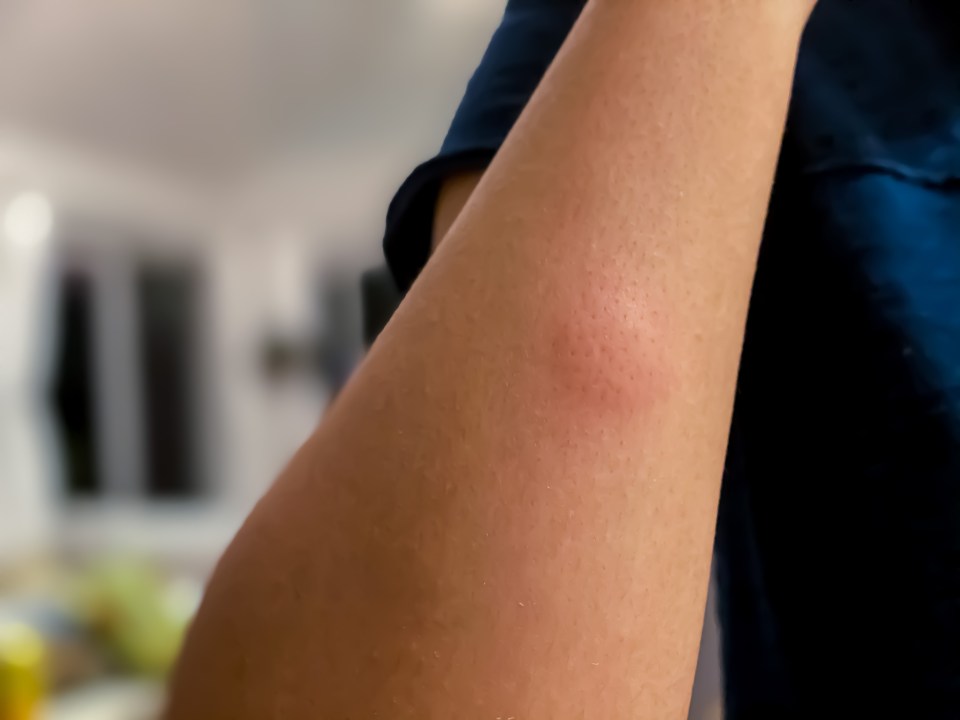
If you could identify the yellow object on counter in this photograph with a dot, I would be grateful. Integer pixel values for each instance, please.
(22, 660)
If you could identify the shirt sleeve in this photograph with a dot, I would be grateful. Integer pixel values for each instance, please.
(519, 53)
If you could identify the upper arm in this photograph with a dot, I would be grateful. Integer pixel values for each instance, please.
(454, 194)
(429, 201)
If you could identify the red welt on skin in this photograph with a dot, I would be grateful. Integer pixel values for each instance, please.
(607, 355)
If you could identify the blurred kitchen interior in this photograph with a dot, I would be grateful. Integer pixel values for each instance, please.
(189, 191)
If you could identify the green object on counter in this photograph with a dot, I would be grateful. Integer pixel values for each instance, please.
(129, 606)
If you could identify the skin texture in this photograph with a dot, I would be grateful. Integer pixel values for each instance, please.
(509, 511)
(453, 196)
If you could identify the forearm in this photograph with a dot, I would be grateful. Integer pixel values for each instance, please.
(509, 511)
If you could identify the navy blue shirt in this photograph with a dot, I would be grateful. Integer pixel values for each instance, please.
(838, 541)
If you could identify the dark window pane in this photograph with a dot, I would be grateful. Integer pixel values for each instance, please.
(380, 299)
(167, 300)
(73, 386)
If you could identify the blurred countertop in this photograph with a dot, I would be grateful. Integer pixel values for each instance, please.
(109, 700)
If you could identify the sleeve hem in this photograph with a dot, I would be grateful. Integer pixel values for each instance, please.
(409, 231)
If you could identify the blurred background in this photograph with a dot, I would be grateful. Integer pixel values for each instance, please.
(190, 195)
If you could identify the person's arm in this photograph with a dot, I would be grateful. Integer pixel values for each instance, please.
(454, 193)
(509, 510)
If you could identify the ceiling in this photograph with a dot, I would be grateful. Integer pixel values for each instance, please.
(216, 87)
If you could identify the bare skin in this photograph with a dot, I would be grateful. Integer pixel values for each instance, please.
(453, 196)
(509, 511)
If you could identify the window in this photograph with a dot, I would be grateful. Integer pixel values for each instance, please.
(127, 378)
(73, 391)
(167, 307)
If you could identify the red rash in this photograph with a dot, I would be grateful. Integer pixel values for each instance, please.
(608, 359)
